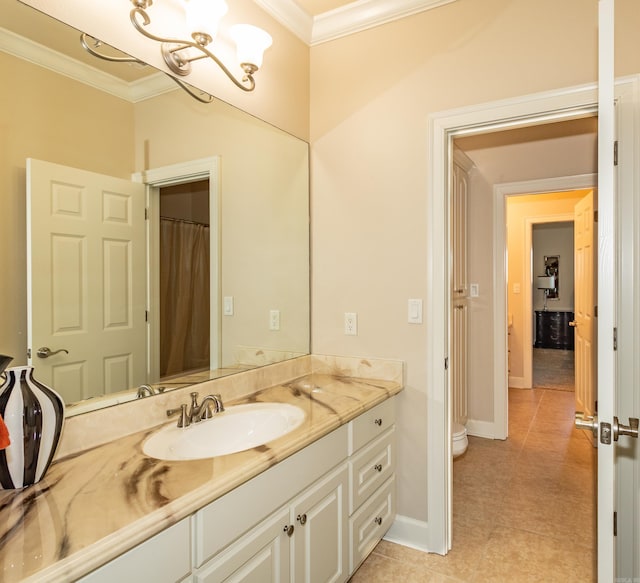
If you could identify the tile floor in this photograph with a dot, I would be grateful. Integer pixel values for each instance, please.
(523, 509)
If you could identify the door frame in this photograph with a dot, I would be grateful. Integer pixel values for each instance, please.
(156, 178)
(559, 105)
(539, 108)
(500, 305)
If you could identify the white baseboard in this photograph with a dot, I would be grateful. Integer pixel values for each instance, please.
(481, 428)
(518, 383)
(408, 532)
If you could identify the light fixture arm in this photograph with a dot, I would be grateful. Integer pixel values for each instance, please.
(92, 46)
(182, 66)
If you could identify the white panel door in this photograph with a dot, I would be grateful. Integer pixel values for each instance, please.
(584, 323)
(607, 274)
(86, 279)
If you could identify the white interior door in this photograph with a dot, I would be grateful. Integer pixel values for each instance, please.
(460, 288)
(86, 274)
(584, 307)
(607, 240)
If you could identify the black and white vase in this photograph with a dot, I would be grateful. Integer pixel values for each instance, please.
(33, 414)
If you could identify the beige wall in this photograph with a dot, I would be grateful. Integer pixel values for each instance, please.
(264, 212)
(49, 117)
(371, 95)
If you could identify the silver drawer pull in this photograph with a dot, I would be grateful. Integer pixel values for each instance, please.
(378, 520)
(378, 467)
(378, 422)
(302, 518)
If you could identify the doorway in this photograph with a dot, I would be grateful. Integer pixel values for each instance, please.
(530, 410)
(184, 278)
(203, 171)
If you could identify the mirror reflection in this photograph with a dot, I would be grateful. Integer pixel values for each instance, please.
(231, 188)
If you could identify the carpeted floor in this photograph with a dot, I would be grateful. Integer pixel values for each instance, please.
(553, 369)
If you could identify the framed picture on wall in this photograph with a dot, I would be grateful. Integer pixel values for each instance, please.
(552, 269)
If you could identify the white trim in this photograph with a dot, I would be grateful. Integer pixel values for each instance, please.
(485, 429)
(365, 14)
(33, 52)
(408, 532)
(156, 178)
(565, 103)
(291, 15)
(348, 19)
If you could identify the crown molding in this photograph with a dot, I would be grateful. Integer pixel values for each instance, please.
(38, 54)
(351, 18)
(291, 15)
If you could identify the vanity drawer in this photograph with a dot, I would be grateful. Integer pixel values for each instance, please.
(371, 424)
(369, 524)
(370, 468)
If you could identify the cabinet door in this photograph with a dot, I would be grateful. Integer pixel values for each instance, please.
(320, 541)
(261, 556)
(164, 558)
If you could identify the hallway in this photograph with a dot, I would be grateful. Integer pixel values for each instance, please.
(523, 509)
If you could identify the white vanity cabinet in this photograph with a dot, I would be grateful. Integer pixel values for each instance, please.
(164, 557)
(372, 462)
(311, 518)
(306, 541)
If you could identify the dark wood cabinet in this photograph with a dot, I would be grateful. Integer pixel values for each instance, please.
(553, 330)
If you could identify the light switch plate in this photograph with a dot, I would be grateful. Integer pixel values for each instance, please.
(227, 308)
(414, 315)
(474, 290)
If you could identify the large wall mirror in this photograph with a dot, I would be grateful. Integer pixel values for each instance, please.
(232, 189)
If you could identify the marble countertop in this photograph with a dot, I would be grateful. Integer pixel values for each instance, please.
(97, 504)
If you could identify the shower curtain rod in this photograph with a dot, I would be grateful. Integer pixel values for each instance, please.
(184, 221)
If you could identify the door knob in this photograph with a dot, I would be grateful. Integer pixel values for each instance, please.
(46, 352)
(573, 323)
(588, 422)
(619, 429)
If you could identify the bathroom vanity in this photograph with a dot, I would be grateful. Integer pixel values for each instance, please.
(309, 506)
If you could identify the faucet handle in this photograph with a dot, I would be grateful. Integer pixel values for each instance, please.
(207, 411)
(184, 420)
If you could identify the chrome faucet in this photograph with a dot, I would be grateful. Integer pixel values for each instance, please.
(210, 404)
(145, 391)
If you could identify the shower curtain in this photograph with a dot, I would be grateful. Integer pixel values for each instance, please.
(184, 296)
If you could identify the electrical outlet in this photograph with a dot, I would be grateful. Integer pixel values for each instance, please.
(274, 320)
(474, 290)
(351, 323)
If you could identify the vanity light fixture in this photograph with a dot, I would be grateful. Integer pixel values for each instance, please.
(203, 17)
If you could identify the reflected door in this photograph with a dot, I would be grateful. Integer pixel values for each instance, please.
(86, 258)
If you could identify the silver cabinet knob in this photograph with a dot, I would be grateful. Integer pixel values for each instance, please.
(46, 352)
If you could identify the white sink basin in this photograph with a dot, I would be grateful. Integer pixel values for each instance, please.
(236, 429)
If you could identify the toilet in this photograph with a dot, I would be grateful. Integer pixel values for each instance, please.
(460, 441)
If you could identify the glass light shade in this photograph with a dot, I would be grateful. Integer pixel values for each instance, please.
(251, 43)
(204, 16)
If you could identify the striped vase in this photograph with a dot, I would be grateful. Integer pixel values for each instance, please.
(33, 414)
